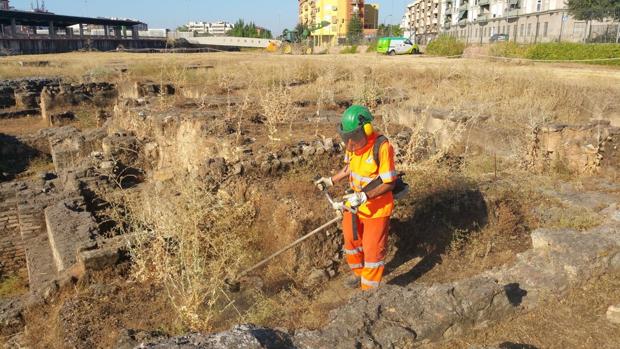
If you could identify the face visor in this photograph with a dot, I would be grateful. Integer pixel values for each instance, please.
(355, 139)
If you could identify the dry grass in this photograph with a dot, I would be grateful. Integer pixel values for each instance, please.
(187, 240)
(576, 321)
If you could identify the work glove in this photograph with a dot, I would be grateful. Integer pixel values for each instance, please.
(338, 206)
(356, 199)
(323, 183)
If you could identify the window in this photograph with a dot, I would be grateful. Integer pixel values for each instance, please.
(545, 28)
(579, 28)
(529, 29)
(476, 32)
(521, 32)
(514, 31)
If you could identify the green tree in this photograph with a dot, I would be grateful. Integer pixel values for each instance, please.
(389, 30)
(589, 10)
(355, 31)
(183, 28)
(248, 30)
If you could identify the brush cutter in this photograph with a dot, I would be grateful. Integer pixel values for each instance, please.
(235, 285)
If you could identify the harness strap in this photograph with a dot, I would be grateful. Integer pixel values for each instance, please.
(375, 155)
(354, 224)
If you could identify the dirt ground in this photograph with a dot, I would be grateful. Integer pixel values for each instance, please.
(462, 217)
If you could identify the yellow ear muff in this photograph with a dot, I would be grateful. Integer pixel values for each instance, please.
(368, 129)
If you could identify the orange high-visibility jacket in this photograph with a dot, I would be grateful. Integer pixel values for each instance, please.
(364, 169)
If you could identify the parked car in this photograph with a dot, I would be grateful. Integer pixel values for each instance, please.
(396, 46)
(498, 37)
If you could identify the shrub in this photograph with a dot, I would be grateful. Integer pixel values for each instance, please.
(372, 47)
(349, 49)
(189, 241)
(445, 45)
(509, 49)
(558, 51)
(574, 51)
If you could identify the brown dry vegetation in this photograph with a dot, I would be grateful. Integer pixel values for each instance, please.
(470, 207)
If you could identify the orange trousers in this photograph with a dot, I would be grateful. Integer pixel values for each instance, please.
(365, 242)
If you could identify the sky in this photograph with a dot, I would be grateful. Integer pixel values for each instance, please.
(272, 14)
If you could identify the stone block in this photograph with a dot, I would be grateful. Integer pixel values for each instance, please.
(70, 228)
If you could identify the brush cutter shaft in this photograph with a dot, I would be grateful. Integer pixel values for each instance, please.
(293, 244)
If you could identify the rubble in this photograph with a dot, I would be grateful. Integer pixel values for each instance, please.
(24, 93)
(613, 314)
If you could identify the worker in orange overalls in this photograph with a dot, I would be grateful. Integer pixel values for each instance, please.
(372, 181)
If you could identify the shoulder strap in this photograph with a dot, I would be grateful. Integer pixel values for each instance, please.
(376, 147)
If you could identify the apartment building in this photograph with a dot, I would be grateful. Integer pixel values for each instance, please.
(337, 13)
(371, 16)
(476, 21)
(219, 28)
(307, 12)
(422, 17)
(524, 21)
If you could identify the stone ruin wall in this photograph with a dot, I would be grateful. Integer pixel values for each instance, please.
(584, 149)
(12, 257)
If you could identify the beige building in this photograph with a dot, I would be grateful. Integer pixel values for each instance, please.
(524, 21)
(422, 18)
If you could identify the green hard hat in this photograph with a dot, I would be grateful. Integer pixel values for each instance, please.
(354, 117)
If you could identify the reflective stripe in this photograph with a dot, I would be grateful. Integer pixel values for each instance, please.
(373, 265)
(370, 283)
(389, 175)
(356, 266)
(361, 178)
(356, 187)
(354, 251)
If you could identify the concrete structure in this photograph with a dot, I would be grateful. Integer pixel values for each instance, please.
(336, 12)
(230, 42)
(32, 40)
(4, 5)
(219, 28)
(422, 18)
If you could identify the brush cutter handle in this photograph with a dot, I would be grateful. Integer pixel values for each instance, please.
(291, 245)
(323, 188)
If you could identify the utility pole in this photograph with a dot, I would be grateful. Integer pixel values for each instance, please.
(561, 27)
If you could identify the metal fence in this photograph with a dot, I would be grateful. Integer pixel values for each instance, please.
(548, 26)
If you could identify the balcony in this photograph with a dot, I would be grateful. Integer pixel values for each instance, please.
(483, 18)
(514, 3)
(464, 6)
(448, 1)
(514, 13)
(463, 21)
(446, 25)
(449, 11)
(483, 2)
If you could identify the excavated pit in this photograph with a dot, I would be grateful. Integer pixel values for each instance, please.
(451, 239)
